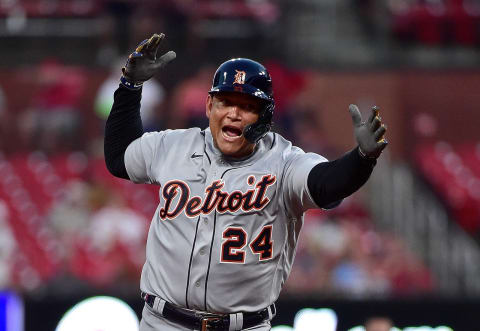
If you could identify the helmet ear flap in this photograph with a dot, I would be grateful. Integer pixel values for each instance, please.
(256, 131)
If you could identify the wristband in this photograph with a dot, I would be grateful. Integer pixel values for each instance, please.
(131, 85)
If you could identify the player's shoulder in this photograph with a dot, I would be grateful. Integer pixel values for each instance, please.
(174, 133)
(284, 149)
(171, 137)
(184, 132)
(281, 145)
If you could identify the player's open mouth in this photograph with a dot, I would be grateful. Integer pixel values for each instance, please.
(231, 132)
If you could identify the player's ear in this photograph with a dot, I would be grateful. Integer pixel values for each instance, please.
(208, 105)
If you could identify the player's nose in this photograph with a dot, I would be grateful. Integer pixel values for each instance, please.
(234, 112)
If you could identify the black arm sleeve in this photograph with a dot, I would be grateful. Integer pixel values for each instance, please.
(330, 182)
(123, 126)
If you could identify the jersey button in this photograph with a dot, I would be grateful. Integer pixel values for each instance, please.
(205, 220)
(197, 284)
(202, 251)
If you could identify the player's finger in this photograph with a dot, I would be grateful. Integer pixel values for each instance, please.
(159, 40)
(375, 124)
(355, 113)
(135, 55)
(132, 58)
(141, 46)
(380, 133)
(154, 42)
(373, 114)
(382, 144)
(165, 59)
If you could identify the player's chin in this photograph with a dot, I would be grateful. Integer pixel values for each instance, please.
(233, 149)
(230, 149)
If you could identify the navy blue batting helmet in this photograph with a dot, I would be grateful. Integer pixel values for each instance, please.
(249, 77)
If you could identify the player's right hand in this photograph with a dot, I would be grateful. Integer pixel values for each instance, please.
(143, 63)
(369, 134)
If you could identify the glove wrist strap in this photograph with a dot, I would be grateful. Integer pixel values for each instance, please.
(364, 156)
(130, 85)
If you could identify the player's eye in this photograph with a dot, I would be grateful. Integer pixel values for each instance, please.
(251, 107)
(222, 102)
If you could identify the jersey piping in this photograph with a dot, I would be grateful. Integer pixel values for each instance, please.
(205, 146)
(273, 140)
(190, 263)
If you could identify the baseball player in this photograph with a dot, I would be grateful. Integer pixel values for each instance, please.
(232, 196)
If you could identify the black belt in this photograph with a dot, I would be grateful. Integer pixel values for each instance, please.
(207, 321)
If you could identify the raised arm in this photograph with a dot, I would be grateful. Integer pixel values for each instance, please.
(330, 182)
(124, 123)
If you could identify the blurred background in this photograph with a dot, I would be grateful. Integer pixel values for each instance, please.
(405, 247)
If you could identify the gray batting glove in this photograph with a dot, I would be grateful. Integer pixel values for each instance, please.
(369, 134)
(143, 63)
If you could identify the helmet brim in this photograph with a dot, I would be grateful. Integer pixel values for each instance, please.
(242, 88)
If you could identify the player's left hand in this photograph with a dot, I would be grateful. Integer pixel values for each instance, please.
(144, 63)
(369, 134)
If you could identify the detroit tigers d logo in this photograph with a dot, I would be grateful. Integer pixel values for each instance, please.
(239, 77)
(214, 198)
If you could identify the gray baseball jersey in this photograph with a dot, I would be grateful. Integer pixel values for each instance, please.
(224, 235)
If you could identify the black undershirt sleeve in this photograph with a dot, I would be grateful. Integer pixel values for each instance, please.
(123, 126)
(330, 182)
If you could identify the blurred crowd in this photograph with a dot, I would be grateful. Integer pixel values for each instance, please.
(436, 22)
(341, 253)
